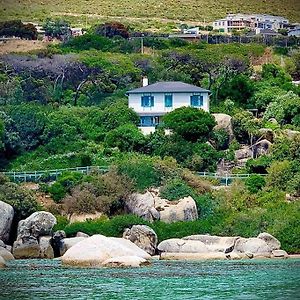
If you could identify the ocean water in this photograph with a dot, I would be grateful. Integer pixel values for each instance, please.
(166, 280)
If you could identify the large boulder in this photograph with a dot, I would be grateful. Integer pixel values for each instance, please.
(46, 250)
(143, 236)
(151, 206)
(125, 261)
(6, 218)
(29, 236)
(271, 241)
(6, 254)
(97, 249)
(67, 243)
(224, 122)
(182, 210)
(28, 249)
(2, 263)
(244, 153)
(261, 147)
(215, 243)
(255, 246)
(142, 205)
(182, 246)
(38, 224)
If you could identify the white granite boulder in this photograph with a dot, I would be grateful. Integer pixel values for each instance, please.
(97, 249)
(272, 242)
(182, 246)
(6, 218)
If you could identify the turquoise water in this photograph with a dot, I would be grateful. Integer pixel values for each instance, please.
(167, 280)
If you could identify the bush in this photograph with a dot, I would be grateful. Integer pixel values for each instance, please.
(191, 123)
(175, 189)
(126, 137)
(255, 183)
(57, 191)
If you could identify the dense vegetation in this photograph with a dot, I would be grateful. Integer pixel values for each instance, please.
(66, 107)
(149, 13)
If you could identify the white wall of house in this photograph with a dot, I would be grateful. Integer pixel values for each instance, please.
(179, 100)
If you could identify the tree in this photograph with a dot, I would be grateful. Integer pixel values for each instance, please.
(191, 123)
(126, 137)
(112, 29)
(58, 28)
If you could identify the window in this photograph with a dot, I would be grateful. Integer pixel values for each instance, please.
(197, 100)
(146, 121)
(168, 100)
(147, 101)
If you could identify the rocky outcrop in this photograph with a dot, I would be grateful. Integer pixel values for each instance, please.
(244, 153)
(30, 233)
(142, 205)
(56, 242)
(261, 147)
(98, 250)
(215, 243)
(151, 207)
(2, 263)
(215, 247)
(182, 246)
(143, 236)
(46, 250)
(6, 218)
(82, 234)
(125, 261)
(6, 255)
(67, 243)
(252, 245)
(224, 122)
(271, 241)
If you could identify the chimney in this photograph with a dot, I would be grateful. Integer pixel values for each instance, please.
(145, 81)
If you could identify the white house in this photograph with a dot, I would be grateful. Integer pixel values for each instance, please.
(153, 101)
(254, 21)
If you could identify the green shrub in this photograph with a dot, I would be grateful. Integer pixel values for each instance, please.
(255, 183)
(57, 191)
(175, 189)
(61, 223)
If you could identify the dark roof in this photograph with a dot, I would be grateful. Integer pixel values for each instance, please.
(168, 87)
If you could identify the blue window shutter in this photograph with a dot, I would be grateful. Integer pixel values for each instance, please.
(152, 101)
(168, 100)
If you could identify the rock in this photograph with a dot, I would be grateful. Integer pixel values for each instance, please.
(244, 153)
(272, 242)
(261, 148)
(125, 261)
(182, 246)
(6, 218)
(215, 243)
(224, 122)
(97, 249)
(29, 249)
(143, 236)
(2, 263)
(84, 217)
(68, 243)
(6, 254)
(151, 207)
(82, 234)
(275, 253)
(291, 133)
(267, 134)
(2, 244)
(252, 245)
(38, 224)
(142, 205)
(182, 210)
(46, 250)
(56, 242)
(193, 256)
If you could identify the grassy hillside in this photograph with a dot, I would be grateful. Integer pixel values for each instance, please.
(156, 11)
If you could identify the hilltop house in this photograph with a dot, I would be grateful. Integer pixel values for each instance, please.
(251, 22)
(153, 101)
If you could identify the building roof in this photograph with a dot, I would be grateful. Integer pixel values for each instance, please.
(168, 87)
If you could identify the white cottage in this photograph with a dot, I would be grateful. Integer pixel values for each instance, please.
(153, 101)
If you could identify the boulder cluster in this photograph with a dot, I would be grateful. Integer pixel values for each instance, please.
(36, 239)
(151, 207)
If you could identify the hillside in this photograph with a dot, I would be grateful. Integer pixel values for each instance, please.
(151, 11)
